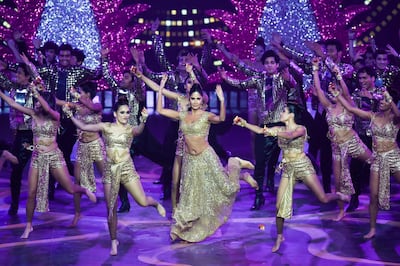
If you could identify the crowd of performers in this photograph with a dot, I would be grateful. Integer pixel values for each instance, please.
(54, 106)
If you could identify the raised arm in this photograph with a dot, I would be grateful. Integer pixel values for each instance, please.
(45, 106)
(15, 105)
(137, 130)
(358, 112)
(79, 124)
(163, 111)
(240, 84)
(153, 85)
(96, 107)
(213, 118)
(317, 84)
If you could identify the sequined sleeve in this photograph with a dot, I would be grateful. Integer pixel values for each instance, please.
(247, 69)
(107, 74)
(5, 83)
(160, 53)
(242, 84)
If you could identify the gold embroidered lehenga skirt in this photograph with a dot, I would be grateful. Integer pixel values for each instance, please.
(207, 193)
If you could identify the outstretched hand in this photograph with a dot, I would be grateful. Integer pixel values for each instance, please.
(239, 121)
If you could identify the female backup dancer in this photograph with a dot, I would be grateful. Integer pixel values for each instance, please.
(386, 153)
(119, 167)
(46, 156)
(295, 165)
(183, 105)
(344, 140)
(198, 214)
(90, 146)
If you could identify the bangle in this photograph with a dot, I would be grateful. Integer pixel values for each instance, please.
(335, 93)
(339, 77)
(315, 68)
(143, 120)
(273, 133)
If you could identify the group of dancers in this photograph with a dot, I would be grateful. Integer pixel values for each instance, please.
(53, 102)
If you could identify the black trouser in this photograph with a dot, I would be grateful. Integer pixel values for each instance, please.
(169, 147)
(321, 142)
(265, 149)
(360, 170)
(19, 150)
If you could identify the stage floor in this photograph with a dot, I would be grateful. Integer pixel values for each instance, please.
(312, 238)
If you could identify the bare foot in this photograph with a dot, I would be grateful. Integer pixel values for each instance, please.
(245, 163)
(278, 243)
(91, 196)
(161, 210)
(339, 216)
(10, 157)
(114, 247)
(74, 222)
(28, 230)
(249, 179)
(343, 197)
(371, 234)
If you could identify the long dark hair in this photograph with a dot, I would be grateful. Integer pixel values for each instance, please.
(297, 110)
(119, 103)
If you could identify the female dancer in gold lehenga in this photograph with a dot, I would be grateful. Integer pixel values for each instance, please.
(386, 153)
(207, 190)
(46, 156)
(344, 140)
(119, 166)
(295, 164)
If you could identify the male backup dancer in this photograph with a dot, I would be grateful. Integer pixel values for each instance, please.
(21, 125)
(273, 90)
(364, 99)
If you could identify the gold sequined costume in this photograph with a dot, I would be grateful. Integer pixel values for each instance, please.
(43, 161)
(385, 161)
(89, 152)
(207, 190)
(119, 166)
(344, 151)
(295, 169)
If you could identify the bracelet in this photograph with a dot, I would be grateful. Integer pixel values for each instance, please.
(273, 133)
(335, 93)
(315, 68)
(339, 77)
(143, 120)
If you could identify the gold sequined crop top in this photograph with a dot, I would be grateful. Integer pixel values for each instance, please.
(387, 132)
(200, 127)
(48, 129)
(296, 144)
(344, 120)
(117, 140)
(87, 118)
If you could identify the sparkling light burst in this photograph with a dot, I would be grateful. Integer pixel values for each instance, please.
(294, 20)
(71, 22)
